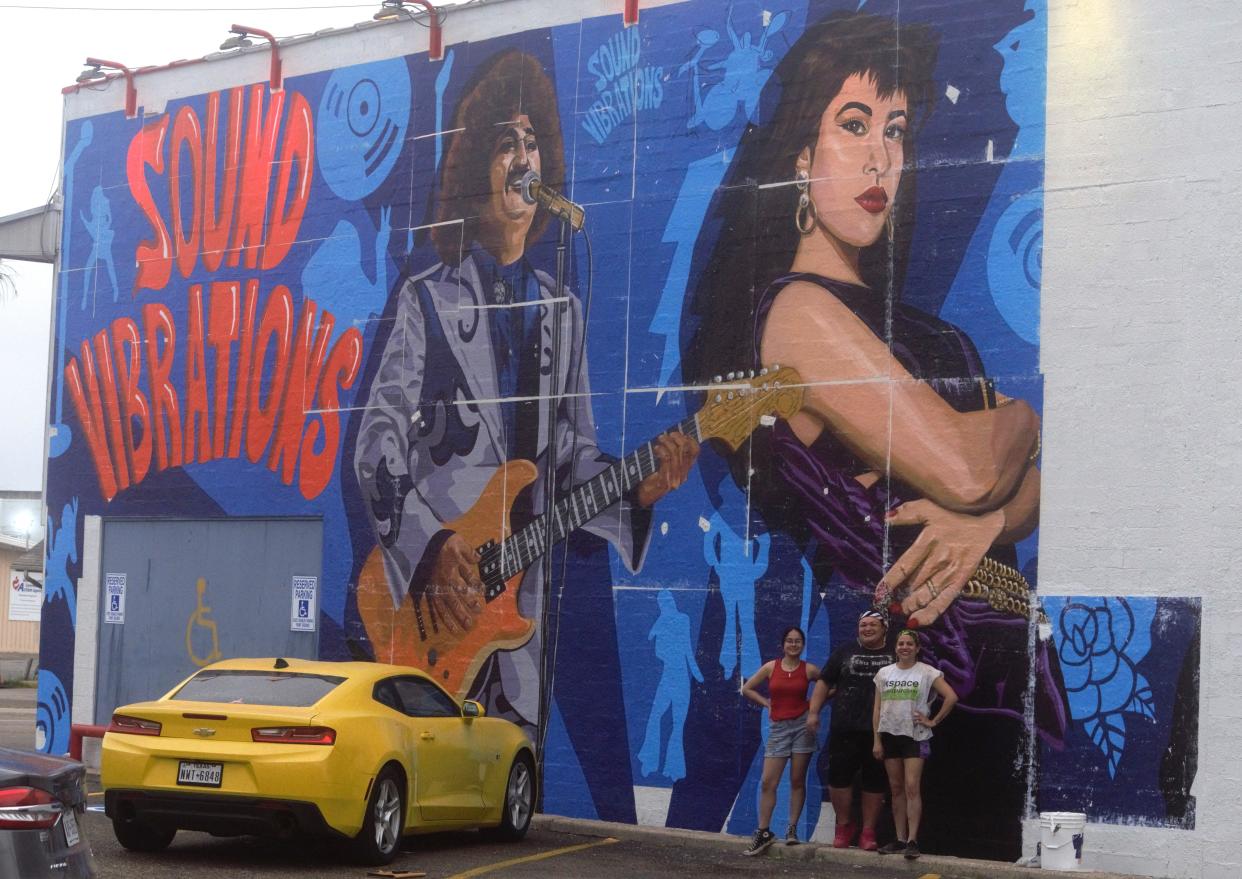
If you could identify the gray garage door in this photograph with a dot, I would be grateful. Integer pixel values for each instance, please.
(199, 590)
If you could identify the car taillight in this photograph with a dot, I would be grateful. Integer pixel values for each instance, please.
(134, 726)
(295, 735)
(27, 808)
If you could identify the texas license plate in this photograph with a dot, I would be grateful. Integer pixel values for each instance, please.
(200, 774)
(69, 821)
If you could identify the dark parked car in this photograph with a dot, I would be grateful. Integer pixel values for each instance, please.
(41, 802)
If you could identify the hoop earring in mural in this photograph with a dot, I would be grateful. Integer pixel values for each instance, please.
(804, 217)
(889, 224)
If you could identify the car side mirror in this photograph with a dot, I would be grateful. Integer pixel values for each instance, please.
(470, 709)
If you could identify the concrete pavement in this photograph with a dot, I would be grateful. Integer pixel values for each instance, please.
(957, 868)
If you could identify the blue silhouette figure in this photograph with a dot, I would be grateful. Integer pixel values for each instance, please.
(99, 227)
(52, 717)
(334, 276)
(61, 434)
(1016, 250)
(62, 551)
(359, 134)
(674, 649)
(703, 176)
(1007, 245)
(738, 563)
(744, 73)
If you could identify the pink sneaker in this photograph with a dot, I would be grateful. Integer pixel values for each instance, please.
(844, 836)
(867, 842)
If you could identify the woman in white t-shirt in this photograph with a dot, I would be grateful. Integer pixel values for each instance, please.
(903, 695)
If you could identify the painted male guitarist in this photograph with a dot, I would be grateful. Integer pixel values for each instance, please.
(466, 370)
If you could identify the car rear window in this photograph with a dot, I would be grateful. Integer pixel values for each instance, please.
(288, 689)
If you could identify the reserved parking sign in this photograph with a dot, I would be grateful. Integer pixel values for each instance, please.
(114, 610)
(303, 614)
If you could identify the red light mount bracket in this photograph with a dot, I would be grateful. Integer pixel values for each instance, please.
(275, 78)
(131, 93)
(435, 42)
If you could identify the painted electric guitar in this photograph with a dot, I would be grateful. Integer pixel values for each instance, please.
(411, 635)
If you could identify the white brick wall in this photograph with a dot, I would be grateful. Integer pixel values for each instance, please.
(1142, 318)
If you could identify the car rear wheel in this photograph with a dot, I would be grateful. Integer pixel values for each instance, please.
(379, 840)
(139, 836)
(519, 802)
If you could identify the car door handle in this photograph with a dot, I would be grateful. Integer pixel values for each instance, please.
(428, 736)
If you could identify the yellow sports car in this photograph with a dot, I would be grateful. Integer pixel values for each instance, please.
(360, 750)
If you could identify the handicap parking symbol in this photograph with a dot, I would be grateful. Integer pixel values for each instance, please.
(116, 603)
(303, 608)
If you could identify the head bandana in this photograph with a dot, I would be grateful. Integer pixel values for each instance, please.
(874, 614)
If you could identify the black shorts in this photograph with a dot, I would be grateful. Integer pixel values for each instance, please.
(849, 755)
(904, 747)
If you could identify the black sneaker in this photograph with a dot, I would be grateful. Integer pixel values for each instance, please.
(791, 835)
(759, 845)
(912, 851)
(896, 847)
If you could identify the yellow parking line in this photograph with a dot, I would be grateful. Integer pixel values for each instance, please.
(568, 850)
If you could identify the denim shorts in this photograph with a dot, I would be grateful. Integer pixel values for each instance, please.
(788, 737)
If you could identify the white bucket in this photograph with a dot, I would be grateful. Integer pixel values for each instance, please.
(1060, 840)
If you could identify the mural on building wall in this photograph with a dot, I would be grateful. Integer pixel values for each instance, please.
(1131, 671)
(336, 299)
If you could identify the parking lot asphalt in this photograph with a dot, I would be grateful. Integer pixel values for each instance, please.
(17, 710)
(555, 847)
(544, 853)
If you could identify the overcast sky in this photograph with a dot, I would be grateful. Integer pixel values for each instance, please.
(44, 50)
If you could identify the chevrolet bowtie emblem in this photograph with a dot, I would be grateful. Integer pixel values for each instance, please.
(204, 731)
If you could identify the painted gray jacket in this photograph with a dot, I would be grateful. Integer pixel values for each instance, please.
(432, 431)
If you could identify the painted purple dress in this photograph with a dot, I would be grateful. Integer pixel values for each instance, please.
(812, 493)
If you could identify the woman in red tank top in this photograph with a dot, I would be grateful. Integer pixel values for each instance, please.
(788, 737)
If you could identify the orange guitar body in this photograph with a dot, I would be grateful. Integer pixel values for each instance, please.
(451, 659)
(731, 413)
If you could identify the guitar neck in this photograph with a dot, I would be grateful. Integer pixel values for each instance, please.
(584, 502)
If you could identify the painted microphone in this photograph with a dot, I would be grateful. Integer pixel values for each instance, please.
(535, 192)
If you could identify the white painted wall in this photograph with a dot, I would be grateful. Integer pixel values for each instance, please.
(1142, 317)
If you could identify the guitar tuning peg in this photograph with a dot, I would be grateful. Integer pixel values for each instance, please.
(776, 367)
(715, 379)
(719, 398)
(730, 376)
(750, 374)
(730, 395)
(763, 371)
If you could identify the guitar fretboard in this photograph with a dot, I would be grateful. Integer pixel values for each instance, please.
(503, 561)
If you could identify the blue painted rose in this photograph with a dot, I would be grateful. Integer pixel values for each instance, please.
(1094, 635)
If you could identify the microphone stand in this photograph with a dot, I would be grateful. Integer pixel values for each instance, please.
(549, 503)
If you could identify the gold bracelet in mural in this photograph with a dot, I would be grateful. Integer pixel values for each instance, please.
(1003, 588)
